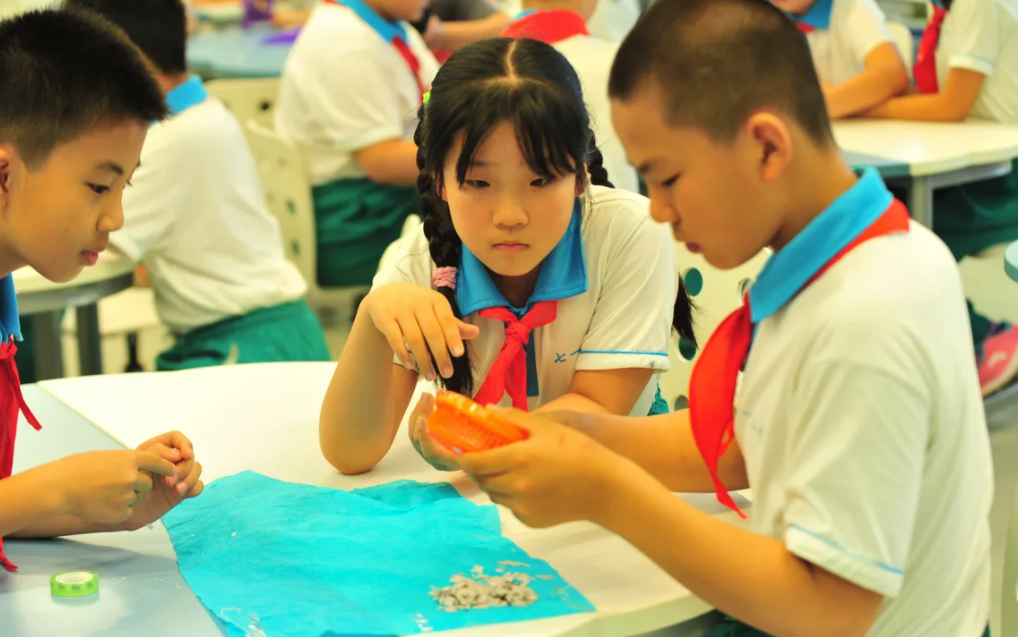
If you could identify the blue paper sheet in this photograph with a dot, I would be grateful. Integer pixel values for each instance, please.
(291, 560)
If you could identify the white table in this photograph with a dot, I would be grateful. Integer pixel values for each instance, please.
(265, 418)
(43, 301)
(939, 155)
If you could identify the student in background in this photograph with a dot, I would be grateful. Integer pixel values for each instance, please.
(853, 50)
(857, 423)
(564, 288)
(563, 24)
(196, 217)
(75, 104)
(968, 66)
(350, 91)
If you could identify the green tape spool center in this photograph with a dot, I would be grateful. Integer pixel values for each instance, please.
(74, 584)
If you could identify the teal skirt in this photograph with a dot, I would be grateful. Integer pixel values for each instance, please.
(977, 216)
(282, 333)
(355, 221)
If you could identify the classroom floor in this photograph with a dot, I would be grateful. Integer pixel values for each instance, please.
(990, 289)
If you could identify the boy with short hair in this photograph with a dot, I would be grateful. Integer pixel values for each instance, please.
(76, 101)
(563, 24)
(967, 66)
(196, 217)
(853, 50)
(349, 97)
(858, 422)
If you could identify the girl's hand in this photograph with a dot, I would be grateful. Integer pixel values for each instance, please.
(414, 316)
(436, 455)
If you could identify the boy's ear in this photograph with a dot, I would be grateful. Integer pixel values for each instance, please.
(772, 139)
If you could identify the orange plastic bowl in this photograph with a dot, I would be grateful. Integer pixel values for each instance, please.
(461, 425)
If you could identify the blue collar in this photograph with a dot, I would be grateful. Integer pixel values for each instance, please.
(818, 16)
(563, 274)
(388, 30)
(789, 269)
(10, 324)
(938, 3)
(523, 14)
(190, 93)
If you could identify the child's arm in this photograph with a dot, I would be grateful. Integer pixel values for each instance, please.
(53, 488)
(368, 394)
(884, 77)
(952, 104)
(558, 475)
(392, 162)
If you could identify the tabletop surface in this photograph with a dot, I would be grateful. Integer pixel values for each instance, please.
(237, 53)
(930, 147)
(265, 418)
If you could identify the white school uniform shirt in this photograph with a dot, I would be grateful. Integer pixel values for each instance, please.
(861, 422)
(195, 216)
(345, 87)
(614, 276)
(592, 59)
(982, 36)
(845, 32)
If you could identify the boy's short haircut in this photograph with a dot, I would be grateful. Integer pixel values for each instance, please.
(65, 72)
(157, 27)
(718, 61)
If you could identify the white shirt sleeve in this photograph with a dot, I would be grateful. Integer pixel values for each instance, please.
(860, 418)
(154, 199)
(866, 27)
(975, 38)
(429, 65)
(631, 325)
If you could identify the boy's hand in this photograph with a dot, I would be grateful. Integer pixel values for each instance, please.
(557, 475)
(435, 454)
(103, 487)
(168, 491)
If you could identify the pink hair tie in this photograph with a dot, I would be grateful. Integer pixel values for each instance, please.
(444, 277)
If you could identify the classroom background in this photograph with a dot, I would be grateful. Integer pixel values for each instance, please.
(96, 334)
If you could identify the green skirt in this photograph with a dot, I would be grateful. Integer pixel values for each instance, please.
(355, 221)
(282, 333)
(977, 216)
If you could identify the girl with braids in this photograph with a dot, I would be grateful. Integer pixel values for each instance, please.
(560, 284)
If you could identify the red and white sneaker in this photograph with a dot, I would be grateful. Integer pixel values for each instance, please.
(999, 364)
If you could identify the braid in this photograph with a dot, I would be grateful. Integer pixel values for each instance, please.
(445, 247)
(595, 164)
(682, 315)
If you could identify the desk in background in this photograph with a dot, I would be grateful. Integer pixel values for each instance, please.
(237, 53)
(43, 302)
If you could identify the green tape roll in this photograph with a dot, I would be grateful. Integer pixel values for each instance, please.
(74, 584)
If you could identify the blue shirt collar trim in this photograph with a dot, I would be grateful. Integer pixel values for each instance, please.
(190, 93)
(818, 16)
(563, 274)
(789, 269)
(388, 30)
(10, 323)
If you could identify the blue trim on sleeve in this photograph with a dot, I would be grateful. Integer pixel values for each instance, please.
(834, 545)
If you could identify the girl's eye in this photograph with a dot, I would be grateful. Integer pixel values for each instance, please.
(542, 182)
(668, 183)
(476, 183)
(97, 189)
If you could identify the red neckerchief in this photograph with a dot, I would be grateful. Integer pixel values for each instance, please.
(11, 404)
(547, 26)
(509, 372)
(712, 385)
(925, 69)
